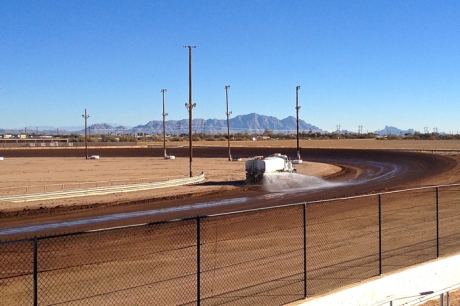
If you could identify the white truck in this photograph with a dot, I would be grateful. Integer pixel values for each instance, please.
(257, 166)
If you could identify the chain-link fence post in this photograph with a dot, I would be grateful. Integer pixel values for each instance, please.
(437, 222)
(380, 234)
(35, 256)
(198, 258)
(305, 249)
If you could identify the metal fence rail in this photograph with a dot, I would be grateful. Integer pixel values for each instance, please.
(100, 190)
(267, 256)
(19, 190)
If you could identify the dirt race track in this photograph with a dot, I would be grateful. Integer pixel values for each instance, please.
(368, 171)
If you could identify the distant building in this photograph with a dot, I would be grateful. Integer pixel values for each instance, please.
(22, 138)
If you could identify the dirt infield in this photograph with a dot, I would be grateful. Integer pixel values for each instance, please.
(34, 175)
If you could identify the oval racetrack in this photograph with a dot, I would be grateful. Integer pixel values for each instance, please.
(365, 171)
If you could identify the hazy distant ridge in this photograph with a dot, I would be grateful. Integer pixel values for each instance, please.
(250, 123)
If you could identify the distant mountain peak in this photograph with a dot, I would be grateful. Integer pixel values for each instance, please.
(250, 123)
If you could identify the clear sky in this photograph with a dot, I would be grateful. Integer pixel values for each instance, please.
(369, 63)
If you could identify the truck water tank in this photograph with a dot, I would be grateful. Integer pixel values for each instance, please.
(273, 164)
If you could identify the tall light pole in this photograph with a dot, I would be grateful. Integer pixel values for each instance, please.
(164, 122)
(297, 107)
(86, 116)
(228, 122)
(189, 105)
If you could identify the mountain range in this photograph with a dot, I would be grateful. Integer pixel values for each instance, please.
(250, 123)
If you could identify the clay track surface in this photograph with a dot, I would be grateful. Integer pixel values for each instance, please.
(332, 262)
(364, 171)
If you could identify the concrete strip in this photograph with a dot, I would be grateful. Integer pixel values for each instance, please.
(399, 287)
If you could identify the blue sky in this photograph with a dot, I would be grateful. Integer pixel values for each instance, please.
(369, 63)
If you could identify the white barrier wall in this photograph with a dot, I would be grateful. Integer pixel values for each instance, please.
(399, 287)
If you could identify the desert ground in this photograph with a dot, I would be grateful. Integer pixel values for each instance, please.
(38, 172)
(35, 175)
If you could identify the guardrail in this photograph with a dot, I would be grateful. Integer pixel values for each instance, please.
(100, 190)
(16, 190)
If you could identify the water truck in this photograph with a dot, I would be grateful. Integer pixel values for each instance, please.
(257, 166)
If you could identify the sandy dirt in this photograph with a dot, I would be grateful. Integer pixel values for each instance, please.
(223, 176)
(40, 174)
(399, 144)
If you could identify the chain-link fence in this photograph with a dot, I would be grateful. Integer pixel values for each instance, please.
(342, 242)
(268, 256)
